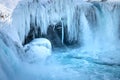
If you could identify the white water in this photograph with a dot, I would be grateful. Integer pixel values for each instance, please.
(96, 58)
(86, 32)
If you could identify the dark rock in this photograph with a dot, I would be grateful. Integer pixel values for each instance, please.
(54, 34)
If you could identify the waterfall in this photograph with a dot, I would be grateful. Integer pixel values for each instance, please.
(89, 24)
(9, 57)
(92, 26)
(107, 31)
(86, 33)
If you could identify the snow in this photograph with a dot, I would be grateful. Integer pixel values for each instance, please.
(11, 4)
(4, 14)
(38, 50)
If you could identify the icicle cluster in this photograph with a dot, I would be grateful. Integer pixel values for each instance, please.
(82, 19)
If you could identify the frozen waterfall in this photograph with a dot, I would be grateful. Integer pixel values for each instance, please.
(90, 24)
(60, 40)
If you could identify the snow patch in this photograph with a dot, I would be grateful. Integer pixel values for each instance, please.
(38, 50)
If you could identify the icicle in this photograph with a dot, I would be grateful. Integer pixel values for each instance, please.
(44, 20)
(70, 21)
(62, 32)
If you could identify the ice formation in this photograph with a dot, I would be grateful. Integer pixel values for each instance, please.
(92, 28)
(38, 50)
(4, 14)
(73, 17)
(92, 25)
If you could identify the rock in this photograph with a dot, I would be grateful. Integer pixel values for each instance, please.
(38, 50)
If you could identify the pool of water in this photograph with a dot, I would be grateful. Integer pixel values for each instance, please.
(84, 65)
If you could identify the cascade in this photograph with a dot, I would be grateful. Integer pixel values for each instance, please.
(9, 57)
(86, 32)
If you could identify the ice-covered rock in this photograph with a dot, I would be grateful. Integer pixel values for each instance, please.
(5, 14)
(38, 50)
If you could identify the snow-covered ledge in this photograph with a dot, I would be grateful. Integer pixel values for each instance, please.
(4, 14)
